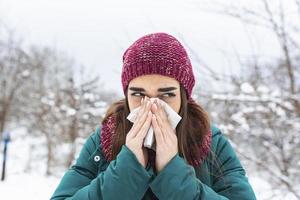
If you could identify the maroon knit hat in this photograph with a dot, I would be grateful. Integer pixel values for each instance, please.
(158, 53)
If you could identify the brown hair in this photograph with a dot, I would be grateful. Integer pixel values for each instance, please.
(192, 128)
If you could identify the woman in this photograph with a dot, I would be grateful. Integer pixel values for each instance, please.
(194, 161)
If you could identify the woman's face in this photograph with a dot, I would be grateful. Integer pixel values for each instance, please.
(154, 85)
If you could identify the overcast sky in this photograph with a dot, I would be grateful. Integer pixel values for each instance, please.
(96, 33)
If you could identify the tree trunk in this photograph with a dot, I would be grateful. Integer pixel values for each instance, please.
(49, 154)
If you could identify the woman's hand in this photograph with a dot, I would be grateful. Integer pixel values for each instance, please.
(136, 135)
(166, 139)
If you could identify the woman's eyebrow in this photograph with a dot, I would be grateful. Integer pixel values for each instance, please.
(166, 89)
(137, 89)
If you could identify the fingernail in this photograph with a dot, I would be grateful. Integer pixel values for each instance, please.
(155, 106)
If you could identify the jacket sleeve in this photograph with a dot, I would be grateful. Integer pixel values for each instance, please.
(82, 181)
(178, 179)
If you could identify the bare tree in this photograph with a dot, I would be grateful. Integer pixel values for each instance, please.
(260, 113)
(60, 108)
(15, 71)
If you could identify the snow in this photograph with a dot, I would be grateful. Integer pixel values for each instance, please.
(25, 73)
(263, 89)
(20, 182)
(27, 186)
(247, 88)
(71, 112)
(264, 191)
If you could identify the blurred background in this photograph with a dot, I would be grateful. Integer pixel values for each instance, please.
(60, 69)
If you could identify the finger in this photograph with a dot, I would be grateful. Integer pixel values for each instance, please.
(143, 112)
(157, 131)
(157, 115)
(143, 105)
(161, 111)
(139, 122)
(163, 120)
(144, 130)
(156, 111)
(154, 107)
(134, 128)
(160, 122)
(142, 109)
(165, 128)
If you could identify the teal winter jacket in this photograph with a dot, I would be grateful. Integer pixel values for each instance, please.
(220, 176)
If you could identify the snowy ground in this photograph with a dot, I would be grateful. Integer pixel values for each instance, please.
(24, 183)
(27, 186)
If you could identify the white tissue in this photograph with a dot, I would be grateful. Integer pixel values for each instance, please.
(172, 116)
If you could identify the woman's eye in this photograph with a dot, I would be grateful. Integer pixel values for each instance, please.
(138, 94)
(168, 95)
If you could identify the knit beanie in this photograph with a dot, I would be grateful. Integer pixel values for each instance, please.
(158, 53)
